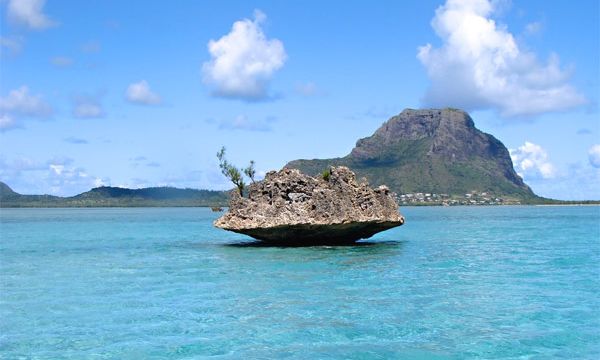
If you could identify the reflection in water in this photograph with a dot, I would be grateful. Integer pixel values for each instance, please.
(325, 260)
(263, 244)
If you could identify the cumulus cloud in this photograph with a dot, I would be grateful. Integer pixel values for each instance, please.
(18, 105)
(69, 180)
(61, 61)
(58, 176)
(21, 103)
(594, 156)
(87, 107)
(7, 122)
(242, 122)
(29, 13)
(480, 66)
(531, 162)
(243, 61)
(140, 93)
(579, 181)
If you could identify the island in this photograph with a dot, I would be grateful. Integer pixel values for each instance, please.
(292, 208)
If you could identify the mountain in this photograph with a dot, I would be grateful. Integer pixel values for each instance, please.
(107, 196)
(430, 151)
(6, 191)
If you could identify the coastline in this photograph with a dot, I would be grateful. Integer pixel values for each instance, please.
(595, 203)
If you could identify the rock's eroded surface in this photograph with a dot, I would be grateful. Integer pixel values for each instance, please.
(289, 207)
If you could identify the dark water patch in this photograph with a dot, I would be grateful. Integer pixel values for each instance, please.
(292, 244)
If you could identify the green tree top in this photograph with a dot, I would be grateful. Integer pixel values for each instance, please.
(250, 171)
(233, 173)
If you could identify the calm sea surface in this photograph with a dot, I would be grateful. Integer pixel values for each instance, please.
(452, 283)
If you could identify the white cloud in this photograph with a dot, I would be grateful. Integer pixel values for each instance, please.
(307, 89)
(18, 105)
(85, 107)
(58, 169)
(87, 110)
(7, 122)
(594, 156)
(69, 180)
(29, 13)
(242, 122)
(534, 28)
(243, 61)
(11, 45)
(531, 162)
(140, 93)
(577, 182)
(61, 61)
(98, 182)
(58, 176)
(19, 102)
(480, 66)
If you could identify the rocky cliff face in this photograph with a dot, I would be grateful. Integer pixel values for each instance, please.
(289, 207)
(435, 150)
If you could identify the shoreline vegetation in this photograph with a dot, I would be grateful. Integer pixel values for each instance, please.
(107, 196)
(174, 197)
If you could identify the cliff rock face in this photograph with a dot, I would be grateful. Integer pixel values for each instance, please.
(430, 150)
(289, 207)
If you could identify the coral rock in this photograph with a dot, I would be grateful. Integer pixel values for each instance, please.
(289, 207)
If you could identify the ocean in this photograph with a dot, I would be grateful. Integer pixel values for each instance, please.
(501, 282)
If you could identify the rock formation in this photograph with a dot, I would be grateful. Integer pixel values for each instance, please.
(430, 151)
(289, 207)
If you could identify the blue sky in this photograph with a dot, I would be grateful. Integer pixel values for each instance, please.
(144, 93)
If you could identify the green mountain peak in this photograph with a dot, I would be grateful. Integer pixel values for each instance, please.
(430, 151)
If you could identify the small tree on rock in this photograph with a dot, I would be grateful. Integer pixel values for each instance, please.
(250, 171)
(233, 173)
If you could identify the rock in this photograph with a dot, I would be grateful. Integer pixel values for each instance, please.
(289, 207)
(430, 151)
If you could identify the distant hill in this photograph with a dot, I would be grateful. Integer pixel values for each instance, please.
(6, 191)
(107, 196)
(431, 151)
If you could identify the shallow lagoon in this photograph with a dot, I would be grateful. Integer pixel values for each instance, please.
(453, 283)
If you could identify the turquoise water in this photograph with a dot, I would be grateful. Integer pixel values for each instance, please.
(453, 283)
